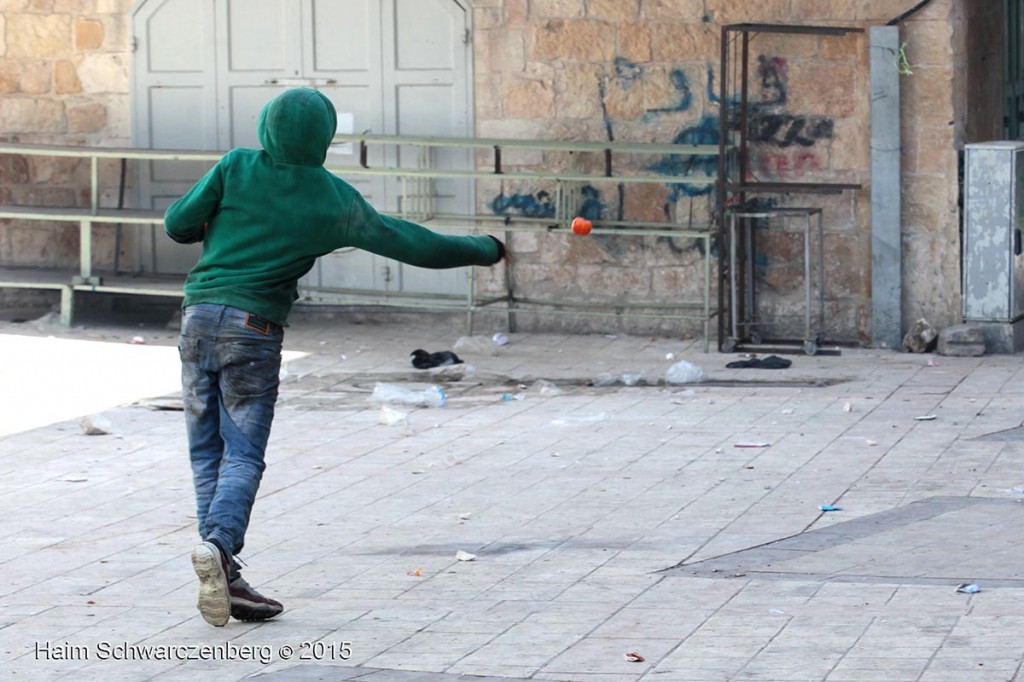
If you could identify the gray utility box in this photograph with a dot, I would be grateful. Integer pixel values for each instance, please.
(993, 286)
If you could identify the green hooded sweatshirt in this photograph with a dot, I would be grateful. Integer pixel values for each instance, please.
(264, 216)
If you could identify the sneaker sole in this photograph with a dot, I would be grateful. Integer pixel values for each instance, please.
(214, 601)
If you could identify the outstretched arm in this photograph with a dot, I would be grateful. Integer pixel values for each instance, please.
(414, 244)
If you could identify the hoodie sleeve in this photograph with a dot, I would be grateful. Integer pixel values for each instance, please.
(414, 244)
(185, 219)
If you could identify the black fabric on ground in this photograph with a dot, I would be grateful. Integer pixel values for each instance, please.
(770, 362)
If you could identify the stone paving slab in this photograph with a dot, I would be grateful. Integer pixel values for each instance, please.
(575, 504)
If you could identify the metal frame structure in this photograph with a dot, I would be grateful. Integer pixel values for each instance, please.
(416, 186)
(734, 177)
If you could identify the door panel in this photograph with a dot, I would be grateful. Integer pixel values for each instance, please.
(207, 67)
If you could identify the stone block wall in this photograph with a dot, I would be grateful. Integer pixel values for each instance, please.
(647, 71)
(63, 80)
(622, 70)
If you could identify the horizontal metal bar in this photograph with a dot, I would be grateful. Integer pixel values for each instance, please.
(548, 145)
(793, 28)
(507, 175)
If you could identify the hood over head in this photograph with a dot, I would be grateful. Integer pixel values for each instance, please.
(297, 127)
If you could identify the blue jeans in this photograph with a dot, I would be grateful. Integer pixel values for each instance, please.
(230, 361)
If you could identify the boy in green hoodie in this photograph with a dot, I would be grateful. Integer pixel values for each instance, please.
(264, 216)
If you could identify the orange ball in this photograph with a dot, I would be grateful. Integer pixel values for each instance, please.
(581, 226)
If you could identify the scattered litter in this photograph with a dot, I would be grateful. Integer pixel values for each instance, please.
(464, 517)
(546, 388)
(847, 406)
(95, 425)
(685, 393)
(931, 362)
(684, 372)
(870, 442)
(137, 341)
(509, 396)
(500, 339)
(389, 416)
(417, 472)
(969, 588)
(634, 657)
(926, 418)
(788, 410)
(464, 556)
(480, 345)
(1018, 490)
(829, 507)
(74, 479)
(751, 444)
(670, 356)
(416, 574)
(631, 379)
(777, 612)
(421, 359)
(770, 362)
(432, 396)
(604, 379)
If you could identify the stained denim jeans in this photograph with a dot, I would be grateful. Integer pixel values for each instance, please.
(230, 361)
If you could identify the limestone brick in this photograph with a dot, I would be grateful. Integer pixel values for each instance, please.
(38, 36)
(33, 76)
(927, 204)
(634, 42)
(822, 88)
(577, 92)
(545, 9)
(851, 148)
(8, 76)
(104, 73)
(88, 35)
(646, 202)
(517, 12)
(57, 170)
(614, 10)
(696, 42)
(31, 115)
(674, 284)
(3, 35)
(848, 48)
(578, 40)
(65, 77)
(929, 44)
(823, 11)
(926, 98)
(673, 10)
(41, 5)
(616, 283)
(505, 51)
(788, 46)
(623, 99)
(13, 5)
(763, 11)
(113, 6)
(487, 96)
(847, 265)
(77, 7)
(87, 118)
(486, 18)
(529, 99)
(13, 169)
(935, 152)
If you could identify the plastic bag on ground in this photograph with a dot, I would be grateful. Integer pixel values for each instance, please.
(431, 396)
(684, 372)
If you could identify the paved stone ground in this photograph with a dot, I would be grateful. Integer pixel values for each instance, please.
(605, 521)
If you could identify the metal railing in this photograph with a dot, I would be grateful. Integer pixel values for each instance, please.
(418, 203)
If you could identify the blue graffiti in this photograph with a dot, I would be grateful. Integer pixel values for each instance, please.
(627, 72)
(592, 207)
(705, 132)
(682, 85)
(537, 205)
